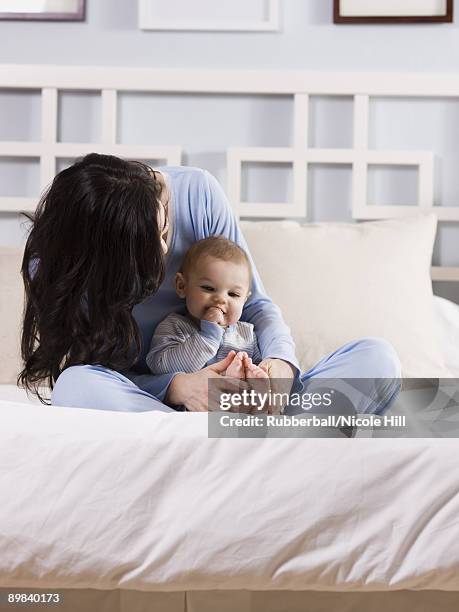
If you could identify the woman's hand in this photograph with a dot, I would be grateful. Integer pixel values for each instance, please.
(277, 368)
(281, 374)
(192, 390)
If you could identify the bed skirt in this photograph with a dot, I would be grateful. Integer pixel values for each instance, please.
(92, 600)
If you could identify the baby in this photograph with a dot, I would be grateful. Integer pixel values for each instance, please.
(215, 280)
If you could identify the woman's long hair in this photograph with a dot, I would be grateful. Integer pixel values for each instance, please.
(93, 252)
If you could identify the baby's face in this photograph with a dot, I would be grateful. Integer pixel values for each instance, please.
(215, 284)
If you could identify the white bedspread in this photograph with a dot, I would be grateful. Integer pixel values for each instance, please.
(146, 501)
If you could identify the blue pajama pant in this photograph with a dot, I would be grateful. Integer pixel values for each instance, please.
(371, 363)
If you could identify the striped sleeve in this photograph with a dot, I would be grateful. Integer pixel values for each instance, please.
(256, 355)
(179, 346)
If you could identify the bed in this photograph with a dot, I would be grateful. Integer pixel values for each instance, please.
(134, 512)
(144, 511)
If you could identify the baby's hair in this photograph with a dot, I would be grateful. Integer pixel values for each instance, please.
(218, 247)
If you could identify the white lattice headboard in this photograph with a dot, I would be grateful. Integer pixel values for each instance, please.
(361, 87)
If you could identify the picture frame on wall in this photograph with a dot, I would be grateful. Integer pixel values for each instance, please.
(42, 10)
(393, 11)
(194, 15)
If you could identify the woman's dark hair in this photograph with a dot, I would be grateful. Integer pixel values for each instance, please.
(93, 252)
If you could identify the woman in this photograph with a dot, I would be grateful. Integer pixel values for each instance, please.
(107, 239)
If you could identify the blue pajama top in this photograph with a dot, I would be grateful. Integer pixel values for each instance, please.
(201, 209)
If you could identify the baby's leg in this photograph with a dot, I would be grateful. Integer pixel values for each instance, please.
(252, 370)
(236, 368)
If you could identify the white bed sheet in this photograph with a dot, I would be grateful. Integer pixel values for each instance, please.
(12, 393)
(448, 325)
(146, 501)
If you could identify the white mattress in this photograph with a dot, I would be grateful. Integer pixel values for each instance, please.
(147, 501)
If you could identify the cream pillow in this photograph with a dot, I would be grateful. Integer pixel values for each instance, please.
(338, 282)
(11, 304)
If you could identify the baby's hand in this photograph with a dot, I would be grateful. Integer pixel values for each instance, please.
(214, 315)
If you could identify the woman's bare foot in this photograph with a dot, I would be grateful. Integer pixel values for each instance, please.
(236, 368)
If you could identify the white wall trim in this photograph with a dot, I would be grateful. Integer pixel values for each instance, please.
(287, 82)
(444, 273)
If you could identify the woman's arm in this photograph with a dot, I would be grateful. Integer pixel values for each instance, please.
(274, 338)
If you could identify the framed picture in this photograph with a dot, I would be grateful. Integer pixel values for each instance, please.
(42, 10)
(209, 15)
(393, 11)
